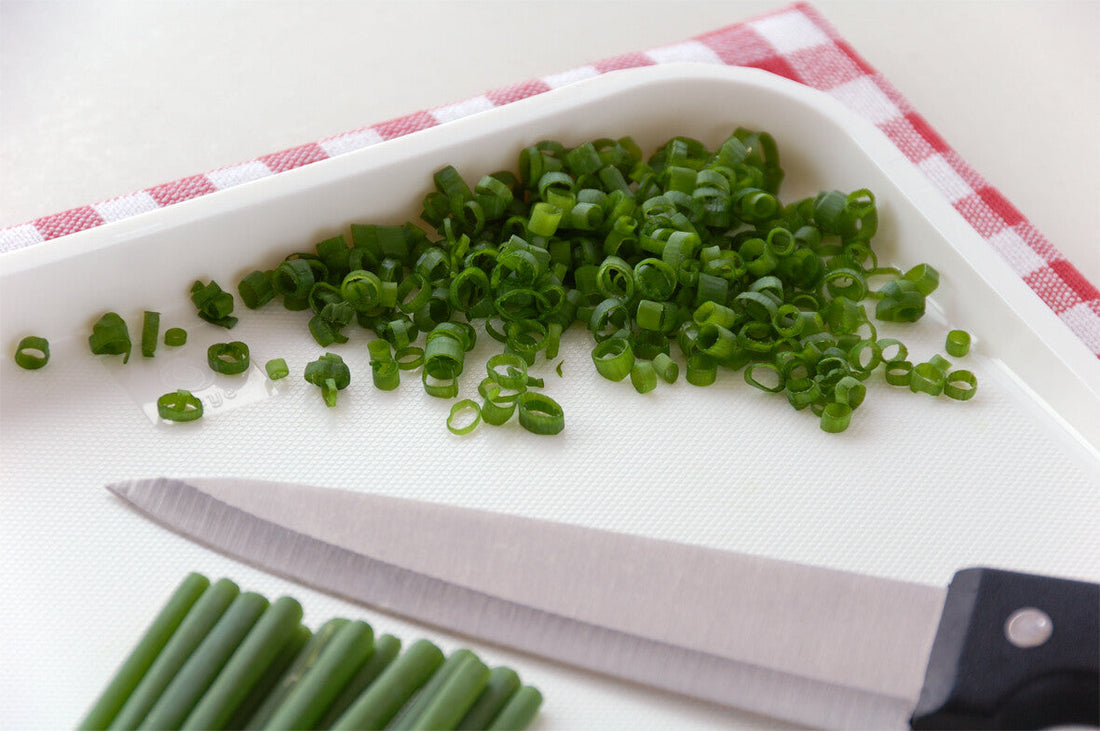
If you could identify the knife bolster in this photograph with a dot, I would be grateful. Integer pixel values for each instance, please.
(977, 678)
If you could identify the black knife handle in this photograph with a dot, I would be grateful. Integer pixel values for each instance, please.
(1013, 651)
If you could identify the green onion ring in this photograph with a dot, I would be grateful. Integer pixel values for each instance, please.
(666, 367)
(614, 358)
(899, 372)
(958, 343)
(457, 410)
(540, 414)
(180, 405)
(836, 417)
(802, 392)
(32, 352)
(752, 380)
(175, 337)
(926, 378)
(702, 369)
(409, 358)
(228, 358)
(643, 376)
(439, 387)
(276, 368)
(514, 375)
(960, 385)
(850, 390)
(385, 374)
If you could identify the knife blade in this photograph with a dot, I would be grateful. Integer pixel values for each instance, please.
(798, 643)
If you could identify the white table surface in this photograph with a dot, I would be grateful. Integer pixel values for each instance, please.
(99, 99)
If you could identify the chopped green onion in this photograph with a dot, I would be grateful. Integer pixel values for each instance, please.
(293, 279)
(330, 374)
(689, 245)
(666, 367)
(386, 374)
(802, 392)
(900, 352)
(179, 405)
(540, 414)
(544, 220)
(256, 290)
(899, 372)
(716, 314)
(498, 407)
(409, 358)
(656, 316)
(175, 337)
(525, 337)
(150, 330)
(439, 387)
(32, 352)
(702, 369)
(228, 358)
(110, 336)
(940, 363)
(457, 410)
(901, 301)
(857, 360)
(924, 277)
(926, 378)
(145, 652)
(614, 358)
(836, 417)
(380, 350)
(508, 369)
(385, 371)
(850, 391)
(716, 341)
(362, 289)
(214, 304)
(644, 376)
(774, 382)
(958, 343)
(276, 368)
(960, 385)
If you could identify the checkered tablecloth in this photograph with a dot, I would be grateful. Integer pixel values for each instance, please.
(795, 42)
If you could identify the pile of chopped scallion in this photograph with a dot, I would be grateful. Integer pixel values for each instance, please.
(216, 657)
(691, 246)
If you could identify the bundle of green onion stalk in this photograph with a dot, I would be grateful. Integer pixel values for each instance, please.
(216, 657)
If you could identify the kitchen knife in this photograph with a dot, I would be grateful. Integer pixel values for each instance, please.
(798, 643)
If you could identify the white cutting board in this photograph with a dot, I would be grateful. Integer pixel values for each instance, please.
(915, 489)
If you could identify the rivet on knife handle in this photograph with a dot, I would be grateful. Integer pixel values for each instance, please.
(1002, 658)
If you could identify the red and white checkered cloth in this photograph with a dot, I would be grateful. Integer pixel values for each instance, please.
(795, 42)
